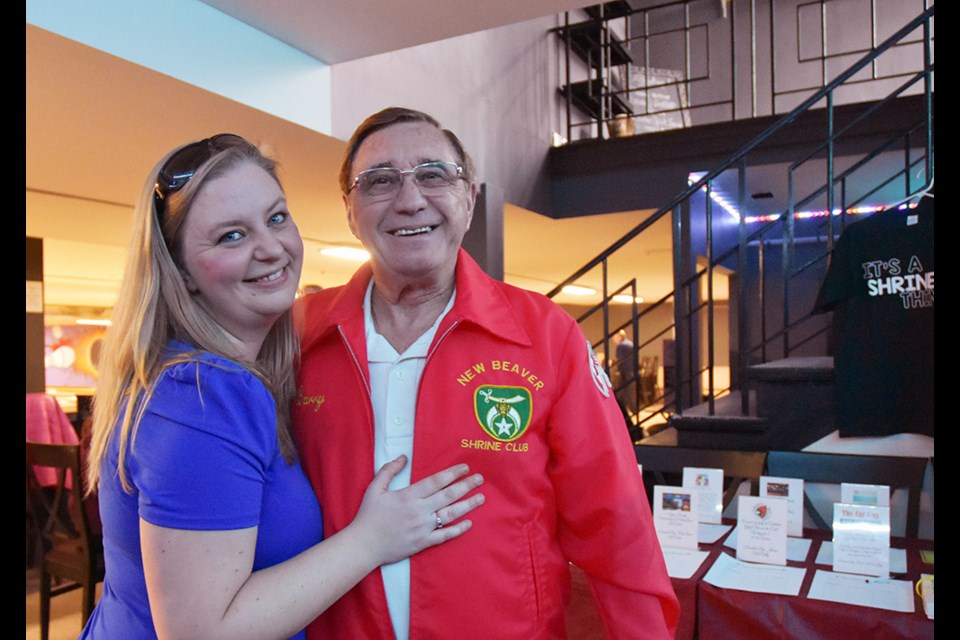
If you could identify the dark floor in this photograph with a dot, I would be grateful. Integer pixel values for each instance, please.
(64, 611)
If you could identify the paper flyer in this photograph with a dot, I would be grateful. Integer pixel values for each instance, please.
(879, 593)
(675, 516)
(861, 539)
(870, 494)
(898, 557)
(683, 563)
(762, 530)
(790, 489)
(728, 573)
(709, 485)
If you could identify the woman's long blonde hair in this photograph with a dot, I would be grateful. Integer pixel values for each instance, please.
(154, 307)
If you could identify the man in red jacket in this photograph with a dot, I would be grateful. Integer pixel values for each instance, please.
(421, 353)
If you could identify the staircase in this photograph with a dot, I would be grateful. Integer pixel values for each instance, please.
(786, 393)
(780, 391)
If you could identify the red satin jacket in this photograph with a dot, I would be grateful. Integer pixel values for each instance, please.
(511, 387)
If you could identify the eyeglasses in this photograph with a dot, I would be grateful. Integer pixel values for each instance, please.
(431, 177)
(180, 167)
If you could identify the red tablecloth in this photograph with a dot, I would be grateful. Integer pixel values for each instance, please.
(728, 613)
(711, 613)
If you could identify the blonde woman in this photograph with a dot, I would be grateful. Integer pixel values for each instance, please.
(211, 529)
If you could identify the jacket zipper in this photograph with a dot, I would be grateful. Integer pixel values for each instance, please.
(366, 384)
(426, 360)
(356, 361)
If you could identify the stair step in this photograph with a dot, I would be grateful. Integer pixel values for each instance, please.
(809, 369)
(728, 424)
(747, 433)
(728, 405)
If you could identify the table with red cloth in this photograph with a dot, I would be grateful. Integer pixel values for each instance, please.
(713, 613)
(731, 613)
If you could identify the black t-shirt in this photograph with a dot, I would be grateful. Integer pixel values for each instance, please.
(880, 288)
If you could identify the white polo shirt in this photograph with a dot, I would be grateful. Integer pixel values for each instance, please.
(394, 380)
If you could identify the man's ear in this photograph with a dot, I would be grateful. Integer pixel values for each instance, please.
(471, 202)
(350, 220)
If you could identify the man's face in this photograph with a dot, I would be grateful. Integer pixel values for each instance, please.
(412, 237)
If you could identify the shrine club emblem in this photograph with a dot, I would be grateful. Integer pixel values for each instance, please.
(600, 378)
(503, 412)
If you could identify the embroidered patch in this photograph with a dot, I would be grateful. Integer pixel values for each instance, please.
(600, 377)
(503, 412)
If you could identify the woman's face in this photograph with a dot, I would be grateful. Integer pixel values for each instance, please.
(241, 252)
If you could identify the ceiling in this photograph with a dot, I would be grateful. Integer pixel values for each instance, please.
(335, 31)
(96, 124)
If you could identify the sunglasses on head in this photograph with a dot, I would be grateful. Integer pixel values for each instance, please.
(180, 167)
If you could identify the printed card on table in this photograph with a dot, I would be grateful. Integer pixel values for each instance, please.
(792, 490)
(861, 539)
(762, 529)
(872, 494)
(709, 485)
(675, 516)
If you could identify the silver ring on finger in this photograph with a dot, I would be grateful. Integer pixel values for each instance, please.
(439, 521)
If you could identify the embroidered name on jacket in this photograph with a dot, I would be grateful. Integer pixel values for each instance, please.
(303, 400)
(480, 368)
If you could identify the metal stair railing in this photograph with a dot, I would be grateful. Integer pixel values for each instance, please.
(676, 64)
(694, 296)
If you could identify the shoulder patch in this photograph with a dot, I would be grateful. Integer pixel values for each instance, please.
(600, 378)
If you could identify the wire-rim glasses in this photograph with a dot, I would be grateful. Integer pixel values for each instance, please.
(431, 178)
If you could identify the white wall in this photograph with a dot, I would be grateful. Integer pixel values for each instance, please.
(497, 90)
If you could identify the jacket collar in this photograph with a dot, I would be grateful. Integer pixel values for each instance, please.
(480, 301)
(323, 312)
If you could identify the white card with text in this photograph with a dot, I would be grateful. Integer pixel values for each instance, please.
(675, 516)
(861, 539)
(872, 494)
(762, 529)
(792, 490)
(709, 486)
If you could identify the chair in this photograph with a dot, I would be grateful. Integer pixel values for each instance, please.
(73, 551)
(46, 422)
(834, 468)
(664, 465)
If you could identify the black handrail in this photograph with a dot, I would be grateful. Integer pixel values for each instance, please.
(743, 152)
(686, 309)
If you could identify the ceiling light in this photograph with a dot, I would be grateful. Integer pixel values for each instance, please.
(346, 253)
(625, 298)
(724, 204)
(821, 213)
(577, 290)
(97, 323)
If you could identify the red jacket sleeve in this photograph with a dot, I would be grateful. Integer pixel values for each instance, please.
(605, 523)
